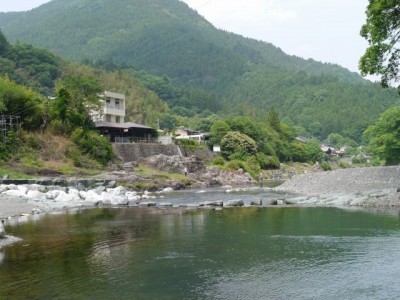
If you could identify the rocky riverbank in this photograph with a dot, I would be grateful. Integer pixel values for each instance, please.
(376, 186)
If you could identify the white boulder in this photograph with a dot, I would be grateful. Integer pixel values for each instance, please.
(15, 193)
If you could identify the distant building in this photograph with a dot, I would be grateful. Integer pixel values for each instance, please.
(113, 110)
(302, 139)
(110, 122)
(183, 133)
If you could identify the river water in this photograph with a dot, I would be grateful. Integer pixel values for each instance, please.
(233, 253)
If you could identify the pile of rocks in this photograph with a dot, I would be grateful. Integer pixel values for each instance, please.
(46, 198)
(216, 177)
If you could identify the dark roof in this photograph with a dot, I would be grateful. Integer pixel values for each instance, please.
(121, 125)
(134, 125)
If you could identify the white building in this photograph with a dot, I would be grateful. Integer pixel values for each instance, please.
(113, 110)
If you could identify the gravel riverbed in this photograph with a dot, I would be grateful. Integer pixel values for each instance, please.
(375, 186)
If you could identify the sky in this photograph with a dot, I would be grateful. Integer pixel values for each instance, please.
(325, 30)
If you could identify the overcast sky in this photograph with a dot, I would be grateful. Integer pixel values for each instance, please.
(325, 30)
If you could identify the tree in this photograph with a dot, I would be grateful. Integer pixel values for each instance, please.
(4, 45)
(273, 120)
(384, 136)
(76, 97)
(235, 142)
(382, 31)
(218, 130)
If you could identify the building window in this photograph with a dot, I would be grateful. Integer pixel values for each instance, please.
(117, 104)
(108, 118)
(117, 120)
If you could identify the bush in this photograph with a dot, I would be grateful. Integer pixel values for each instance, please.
(8, 145)
(253, 163)
(93, 145)
(273, 162)
(326, 167)
(358, 160)
(218, 161)
(238, 144)
(235, 165)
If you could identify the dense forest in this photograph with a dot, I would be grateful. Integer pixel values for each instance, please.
(198, 70)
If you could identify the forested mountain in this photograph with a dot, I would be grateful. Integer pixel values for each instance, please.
(224, 71)
(40, 70)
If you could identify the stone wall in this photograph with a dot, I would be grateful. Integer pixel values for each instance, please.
(133, 152)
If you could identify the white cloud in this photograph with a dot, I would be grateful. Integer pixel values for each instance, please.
(324, 30)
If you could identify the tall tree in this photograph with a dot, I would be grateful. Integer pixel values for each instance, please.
(384, 136)
(382, 31)
(3, 43)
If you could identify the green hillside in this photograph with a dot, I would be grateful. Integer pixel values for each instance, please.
(167, 39)
(40, 70)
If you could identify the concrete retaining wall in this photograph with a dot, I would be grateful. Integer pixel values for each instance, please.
(133, 152)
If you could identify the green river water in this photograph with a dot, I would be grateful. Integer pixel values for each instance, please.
(236, 253)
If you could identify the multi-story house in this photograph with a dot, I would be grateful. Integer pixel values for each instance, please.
(110, 121)
(113, 110)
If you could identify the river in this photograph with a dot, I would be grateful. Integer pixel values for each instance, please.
(233, 253)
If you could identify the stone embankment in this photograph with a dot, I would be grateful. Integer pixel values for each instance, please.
(377, 186)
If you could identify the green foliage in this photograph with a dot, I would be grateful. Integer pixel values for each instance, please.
(273, 120)
(32, 67)
(16, 100)
(8, 145)
(199, 69)
(245, 126)
(76, 96)
(381, 30)
(325, 166)
(313, 152)
(4, 45)
(218, 130)
(359, 159)
(235, 165)
(384, 136)
(218, 161)
(268, 162)
(237, 143)
(93, 145)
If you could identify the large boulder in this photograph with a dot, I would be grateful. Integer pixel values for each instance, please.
(15, 193)
(171, 164)
(175, 163)
(235, 202)
(36, 195)
(93, 198)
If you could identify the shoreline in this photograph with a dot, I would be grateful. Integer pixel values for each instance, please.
(376, 187)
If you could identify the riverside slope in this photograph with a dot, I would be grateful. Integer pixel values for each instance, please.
(375, 186)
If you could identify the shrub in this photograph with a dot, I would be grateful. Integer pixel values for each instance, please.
(359, 159)
(8, 145)
(94, 145)
(218, 161)
(235, 165)
(253, 163)
(326, 167)
(272, 162)
(236, 142)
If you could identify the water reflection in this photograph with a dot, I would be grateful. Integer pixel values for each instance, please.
(237, 253)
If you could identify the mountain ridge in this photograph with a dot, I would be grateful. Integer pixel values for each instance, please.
(167, 38)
